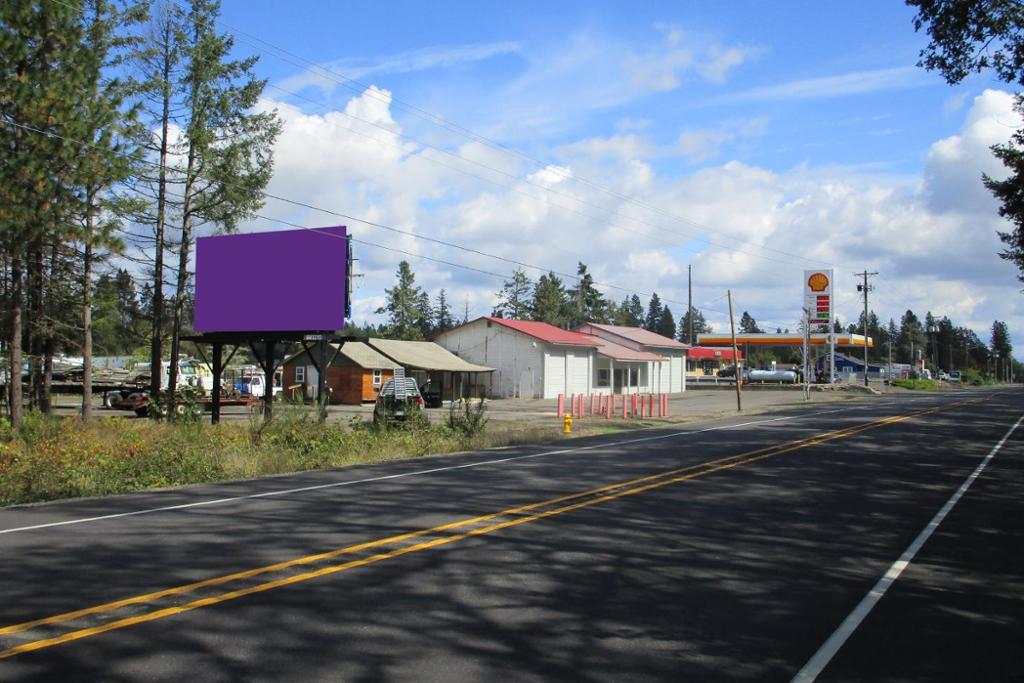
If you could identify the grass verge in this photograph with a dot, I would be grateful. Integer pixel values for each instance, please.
(52, 458)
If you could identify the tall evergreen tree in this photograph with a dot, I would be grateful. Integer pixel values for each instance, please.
(514, 297)
(228, 148)
(549, 301)
(700, 326)
(442, 313)
(911, 337)
(159, 64)
(404, 307)
(586, 303)
(47, 77)
(654, 312)
(748, 325)
(631, 312)
(667, 324)
(109, 158)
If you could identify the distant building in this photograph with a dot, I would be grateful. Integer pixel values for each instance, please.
(708, 360)
(537, 360)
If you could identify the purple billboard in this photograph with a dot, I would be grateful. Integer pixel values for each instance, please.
(285, 281)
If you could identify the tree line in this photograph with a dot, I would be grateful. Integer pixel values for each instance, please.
(127, 128)
(412, 314)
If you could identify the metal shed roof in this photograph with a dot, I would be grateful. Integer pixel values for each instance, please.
(355, 352)
(423, 355)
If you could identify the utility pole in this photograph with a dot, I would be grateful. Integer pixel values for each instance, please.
(888, 372)
(735, 355)
(806, 322)
(865, 288)
(689, 300)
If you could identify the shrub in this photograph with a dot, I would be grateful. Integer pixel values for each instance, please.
(467, 418)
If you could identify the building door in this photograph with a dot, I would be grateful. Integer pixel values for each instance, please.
(312, 382)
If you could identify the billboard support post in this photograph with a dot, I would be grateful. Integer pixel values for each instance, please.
(218, 350)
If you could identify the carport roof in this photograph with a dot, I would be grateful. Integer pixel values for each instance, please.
(423, 355)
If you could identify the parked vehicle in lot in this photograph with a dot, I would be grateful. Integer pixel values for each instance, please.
(396, 398)
(954, 376)
(253, 386)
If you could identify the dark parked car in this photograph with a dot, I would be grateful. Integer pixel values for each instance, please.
(396, 398)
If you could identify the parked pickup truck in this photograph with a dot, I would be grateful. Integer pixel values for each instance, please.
(253, 386)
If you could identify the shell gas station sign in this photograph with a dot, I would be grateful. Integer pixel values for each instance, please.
(818, 299)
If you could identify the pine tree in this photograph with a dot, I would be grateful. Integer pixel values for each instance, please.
(514, 297)
(549, 301)
(109, 159)
(47, 78)
(654, 313)
(700, 326)
(748, 325)
(404, 307)
(631, 312)
(159, 65)
(667, 324)
(442, 313)
(228, 149)
(911, 337)
(586, 303)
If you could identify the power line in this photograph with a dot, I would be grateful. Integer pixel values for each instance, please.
(435, 119)
(369, 223)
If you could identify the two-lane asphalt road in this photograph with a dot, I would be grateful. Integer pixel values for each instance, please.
(881, 540)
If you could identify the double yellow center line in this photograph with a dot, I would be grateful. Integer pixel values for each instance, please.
(62, 628)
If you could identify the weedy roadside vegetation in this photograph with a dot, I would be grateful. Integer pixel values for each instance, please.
(51, 458)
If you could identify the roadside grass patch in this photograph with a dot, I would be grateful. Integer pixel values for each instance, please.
(916, 384)
(52, 458)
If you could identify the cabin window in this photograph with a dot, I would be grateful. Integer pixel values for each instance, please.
(377, 379)
(634, 377)
(602, 377)
(300, 373)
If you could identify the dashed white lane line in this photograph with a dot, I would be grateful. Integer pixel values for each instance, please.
(402, 475)
(830, 647)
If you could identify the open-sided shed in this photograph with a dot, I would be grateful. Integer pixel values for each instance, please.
(450, 376)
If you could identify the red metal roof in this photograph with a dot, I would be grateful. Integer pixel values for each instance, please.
(641, 336)
(546, 332)
(711, 352)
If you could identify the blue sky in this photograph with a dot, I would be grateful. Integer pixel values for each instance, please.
(751, 139)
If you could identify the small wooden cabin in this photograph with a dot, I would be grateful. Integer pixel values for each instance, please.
(354, 377)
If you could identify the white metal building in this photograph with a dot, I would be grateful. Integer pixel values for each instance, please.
(668, 375)
(538, 360)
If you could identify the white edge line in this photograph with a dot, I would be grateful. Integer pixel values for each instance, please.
(285, 492)
(817, 663)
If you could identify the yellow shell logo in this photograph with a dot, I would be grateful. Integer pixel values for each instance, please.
(818, 282)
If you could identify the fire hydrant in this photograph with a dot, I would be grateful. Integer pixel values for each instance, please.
(567, 424)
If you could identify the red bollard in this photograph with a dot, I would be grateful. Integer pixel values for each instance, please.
(592, 397)
(632, 405)
(561, 405)
(580, 400)
(664, 401)
(650, 406)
